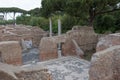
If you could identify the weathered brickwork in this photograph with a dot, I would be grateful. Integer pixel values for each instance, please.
(11, 52)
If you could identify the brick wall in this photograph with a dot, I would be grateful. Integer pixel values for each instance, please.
(85, 37)
(11, 52)
(48, 49)
(19, 32)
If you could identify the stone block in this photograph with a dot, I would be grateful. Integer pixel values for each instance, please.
(108, 41)
(11, 52)
(105, 65)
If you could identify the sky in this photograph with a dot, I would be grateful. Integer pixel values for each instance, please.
(23, 4)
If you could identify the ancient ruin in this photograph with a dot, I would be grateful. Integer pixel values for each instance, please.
(105, 64)
(59, 39)
(108, 41)
(10, 52)
(85, 37)
(73, 43)
(43, 57)
(64, 68)
(21, 32)
(16, 39)
(9, 72)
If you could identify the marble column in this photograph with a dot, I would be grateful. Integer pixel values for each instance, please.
(59, 27)
(59, 44)
(50, 27)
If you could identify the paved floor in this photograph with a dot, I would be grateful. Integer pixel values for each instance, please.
(67, 68)
(70, 68)
(30, 55)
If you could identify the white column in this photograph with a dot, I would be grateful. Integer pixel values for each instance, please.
(5, 16)
(59, 27)
(59, 44)
(50, 23)
(14, 19)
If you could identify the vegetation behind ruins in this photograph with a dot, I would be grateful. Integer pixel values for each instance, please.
(103, 15)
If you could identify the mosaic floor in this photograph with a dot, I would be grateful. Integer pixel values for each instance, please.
(30, 56)
(67, 68)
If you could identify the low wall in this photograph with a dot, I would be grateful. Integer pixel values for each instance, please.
(9, 72)
(105, 64)
(11, 52)
(85, 37)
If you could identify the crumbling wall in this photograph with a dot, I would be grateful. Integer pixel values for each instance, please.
(85, 37)
(9, 72)
(11, 52)
(105, 65)
(37, 34)
(71, 48)
(108, 41)
(19, 32)
(34, 75)
(49, 47)
(74, 43)
(5, 76)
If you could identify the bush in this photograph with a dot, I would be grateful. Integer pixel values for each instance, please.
(117, 23)
(9, 22)
(4, 22)
(23, 19)
(67, 23)
(41, 22)
(104, 23)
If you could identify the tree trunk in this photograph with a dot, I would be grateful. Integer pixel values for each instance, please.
(91, 16)
(91, 19)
